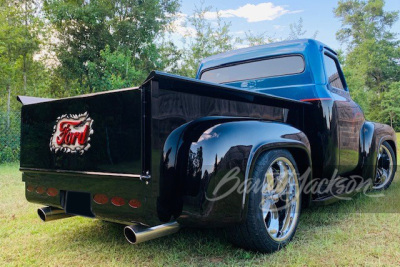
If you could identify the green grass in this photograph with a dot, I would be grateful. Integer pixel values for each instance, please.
(345, 233)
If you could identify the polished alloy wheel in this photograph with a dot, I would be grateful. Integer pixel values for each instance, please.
(280, 199)
(274, 204)
(384, 168)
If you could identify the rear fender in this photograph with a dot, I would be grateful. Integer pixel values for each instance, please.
(207, 165)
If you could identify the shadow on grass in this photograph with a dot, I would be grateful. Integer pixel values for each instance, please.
(205, 244)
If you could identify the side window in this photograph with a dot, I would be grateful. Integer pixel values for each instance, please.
(332, 72)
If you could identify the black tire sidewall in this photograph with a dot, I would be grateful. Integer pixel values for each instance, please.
(389, 147)
(255, 215)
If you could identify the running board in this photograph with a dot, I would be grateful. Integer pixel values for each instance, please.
(327, 200)
(336, 193)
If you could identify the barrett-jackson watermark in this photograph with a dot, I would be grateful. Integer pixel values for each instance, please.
(339, 187)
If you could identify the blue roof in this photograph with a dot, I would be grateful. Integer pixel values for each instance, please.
(287, 47)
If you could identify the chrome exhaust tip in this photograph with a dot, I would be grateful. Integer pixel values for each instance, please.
(130, 234)
(47, 214)
(137, 233)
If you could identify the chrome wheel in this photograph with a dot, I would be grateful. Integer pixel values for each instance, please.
(274, 204)
(384, 168)
(280, 199)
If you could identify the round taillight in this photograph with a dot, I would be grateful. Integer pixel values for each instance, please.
(118, 201)
(100, 199)
(40, 190)
(52, 192)
(134, 203)
(30, 188)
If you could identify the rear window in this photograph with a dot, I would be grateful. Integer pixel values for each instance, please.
(265, 68)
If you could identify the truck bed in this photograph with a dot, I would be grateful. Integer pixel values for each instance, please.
(121, 150)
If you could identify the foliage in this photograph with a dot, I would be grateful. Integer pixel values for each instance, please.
(10, 139)
(21, 30)
(391, 105)
(94, 34)
(297, 31)
(206, 40)
(252, 39)
(170, 57)
(363, 20)
(372, 61)
(59, 48)
(113, 70)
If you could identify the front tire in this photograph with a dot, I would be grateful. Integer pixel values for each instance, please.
(274, 208)
(385, 167)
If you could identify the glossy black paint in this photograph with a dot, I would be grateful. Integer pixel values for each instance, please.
(190, 168)
(115, 143)
(342, 142)
(156, 124)
(373, 135)
(112, 165)
(215, 153)
(185, 135)
(208, 149)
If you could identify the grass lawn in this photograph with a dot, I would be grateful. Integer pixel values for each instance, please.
(345, 233)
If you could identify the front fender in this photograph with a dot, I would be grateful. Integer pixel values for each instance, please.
(373, 135)
(209, 151)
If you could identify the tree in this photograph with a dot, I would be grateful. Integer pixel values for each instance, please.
(206, 40)
(297, 31)
(113, 71)
(364, 20)
(86, 28)
(32, 29)
(371, 64)
(20, 30)
(170, 59)
(18, 41)
(252, 39)
(8, 48)
(391, 104)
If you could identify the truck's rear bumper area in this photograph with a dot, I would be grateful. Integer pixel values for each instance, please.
(116, 198)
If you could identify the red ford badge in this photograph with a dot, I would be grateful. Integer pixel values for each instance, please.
(72, 133)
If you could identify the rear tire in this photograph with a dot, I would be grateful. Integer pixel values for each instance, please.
(273, 212)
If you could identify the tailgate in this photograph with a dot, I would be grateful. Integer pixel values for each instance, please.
(92, 133)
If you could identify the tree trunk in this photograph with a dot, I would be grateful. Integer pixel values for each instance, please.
(391, 120)
(24, 71)
(8, 105)
(127, 66)
(24, 53)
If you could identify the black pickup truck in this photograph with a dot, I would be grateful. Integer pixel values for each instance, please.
(240, 147)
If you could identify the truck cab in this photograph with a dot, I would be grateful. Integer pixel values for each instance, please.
(308, 71)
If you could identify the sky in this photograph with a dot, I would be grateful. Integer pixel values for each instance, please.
(275, 16)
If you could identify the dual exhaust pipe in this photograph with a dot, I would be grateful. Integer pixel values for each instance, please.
(135, 234)
(138, 233)
(47, 214)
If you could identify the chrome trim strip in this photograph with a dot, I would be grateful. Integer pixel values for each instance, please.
(66, 172)
(92, 94)
(99, 93)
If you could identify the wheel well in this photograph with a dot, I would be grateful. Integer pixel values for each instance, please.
(303, 162)
(392, 144)
(302, 159)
